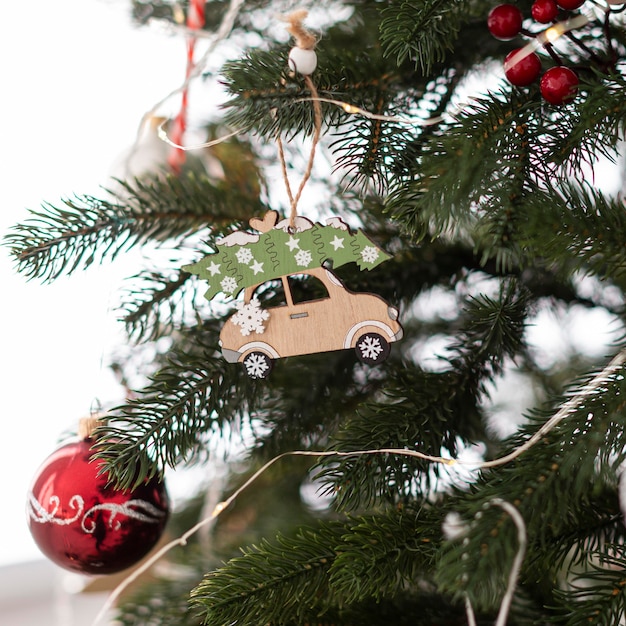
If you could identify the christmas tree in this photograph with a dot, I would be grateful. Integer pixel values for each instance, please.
(477, 148)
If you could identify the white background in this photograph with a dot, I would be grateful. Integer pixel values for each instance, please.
(76, 78)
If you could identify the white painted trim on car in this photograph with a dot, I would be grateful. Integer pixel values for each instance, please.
(347, 342)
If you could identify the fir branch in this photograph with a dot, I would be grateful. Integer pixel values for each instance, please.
(425, 607)
(292, 580)
(591, 129)
(420, 412)
(431, 103)
(421, 31)
(56, 241)
(595, 525)
(576, 226)
(382, 555)
(154, 303)
(423, 410)
(597, 595)
(494, 330)
(375, 149)
(187, 401)
(486, 145)
(560, 473)
(267, 99)
(364, 149)
(184, 204)
(295, 416)
(369, 150)
(59, 241)
(263, 95)
(277, 582)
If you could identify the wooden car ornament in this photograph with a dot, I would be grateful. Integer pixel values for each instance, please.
(293, 304)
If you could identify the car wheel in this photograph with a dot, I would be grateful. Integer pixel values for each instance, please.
(372, 348)
(257, 365)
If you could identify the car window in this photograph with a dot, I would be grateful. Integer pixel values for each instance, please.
(271, 293)
(304, 288)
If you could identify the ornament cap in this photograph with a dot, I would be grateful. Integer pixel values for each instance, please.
(87, 425)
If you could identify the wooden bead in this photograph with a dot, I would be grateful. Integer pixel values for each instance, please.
(302, 61)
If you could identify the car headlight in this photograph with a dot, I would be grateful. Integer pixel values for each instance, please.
(393, 312)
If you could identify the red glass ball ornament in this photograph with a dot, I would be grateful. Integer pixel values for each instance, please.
(544, 11)
(521, 71)
(83, 524)
(570, 5)
(559, 85)
(504, 21)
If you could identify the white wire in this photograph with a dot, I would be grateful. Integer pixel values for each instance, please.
(469, 611)
(522, 539)
(224, 29)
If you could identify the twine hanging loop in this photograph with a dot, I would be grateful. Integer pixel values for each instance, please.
(303, 60)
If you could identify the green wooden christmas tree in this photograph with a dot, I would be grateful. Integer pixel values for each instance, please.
(244, 259)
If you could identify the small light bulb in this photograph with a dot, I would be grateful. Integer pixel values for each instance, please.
(552, 34)
(219, 507)
(178, 14)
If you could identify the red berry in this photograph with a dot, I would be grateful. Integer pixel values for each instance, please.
(504, 21)
(522, 71)
(544, 11)
(559, 85)
(570, 5)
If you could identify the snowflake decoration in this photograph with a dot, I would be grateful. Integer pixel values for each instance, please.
(256, 365)
(303, 258)
(369, 254)
(244, 256)
(229, 284)
(370, 347)
(250, 317)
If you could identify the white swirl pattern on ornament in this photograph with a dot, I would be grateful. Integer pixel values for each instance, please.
(146, 513)
(39, 514)
(134, 509)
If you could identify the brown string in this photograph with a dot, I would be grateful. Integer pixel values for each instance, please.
(317, 112)
(305, 39)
